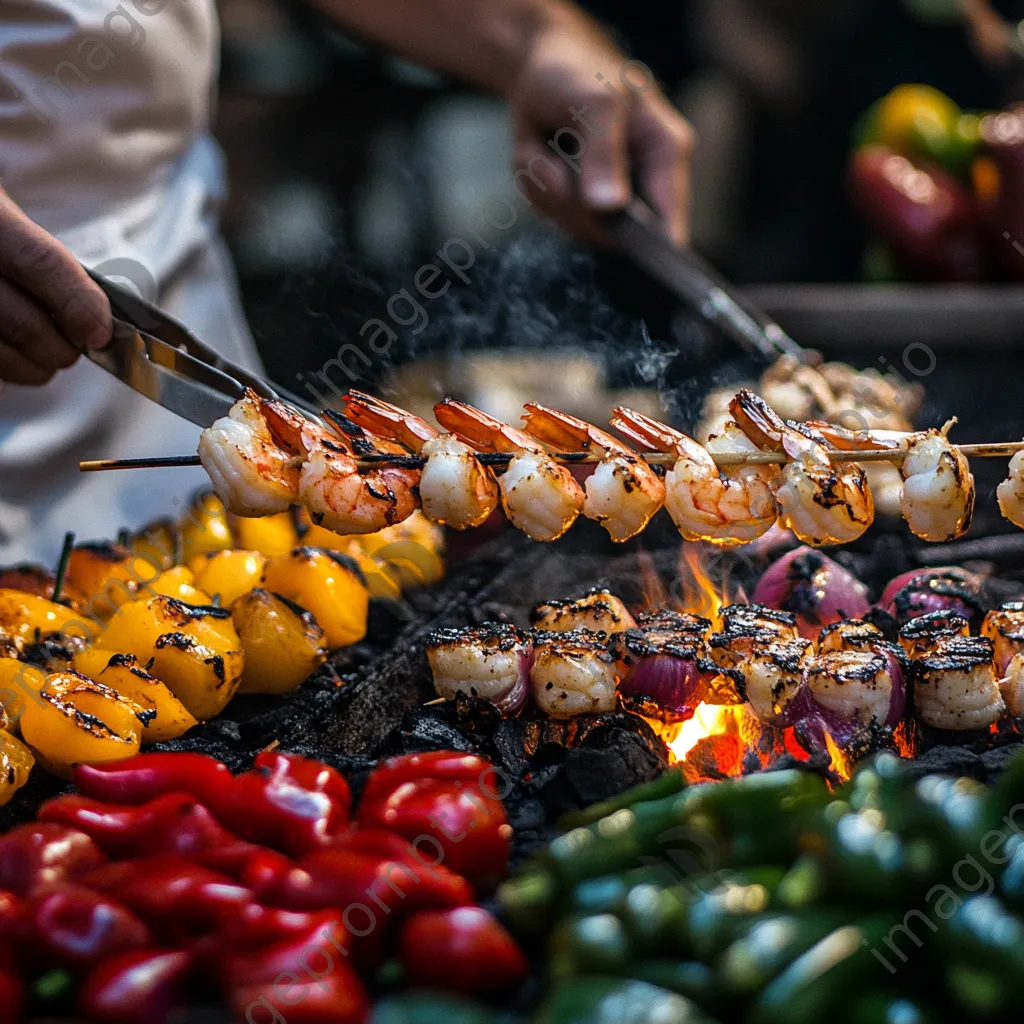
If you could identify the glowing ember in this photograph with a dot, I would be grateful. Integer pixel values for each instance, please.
(708, 720)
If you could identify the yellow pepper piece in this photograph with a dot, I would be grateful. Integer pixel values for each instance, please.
(412, 549)
(381, 578)
(19, 682)
(139, 624)
(156, 544)
(204, 527)
(270, 535)
(108, 575)
(80, 721)
(28, 619)
(203, 677)
(283, 643)
(229, 573)
(121, 672)
(179, 583)
(328, 585)
(16, 763)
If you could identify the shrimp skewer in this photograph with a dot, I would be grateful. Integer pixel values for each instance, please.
(250, 459)
(1010, 493)
(539, 496)
(337, 494)
(938, 488)
(623, 493)
(725, 507)
(455, 489)
(821, 502)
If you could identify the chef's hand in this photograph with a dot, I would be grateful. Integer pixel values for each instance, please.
(574, 85)
(50, 310)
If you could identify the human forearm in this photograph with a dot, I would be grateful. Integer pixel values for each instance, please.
(482, 41)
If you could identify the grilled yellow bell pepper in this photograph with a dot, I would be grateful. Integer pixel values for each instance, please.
(27, 619)
(108, 575)
(327, 584)
(381, 579)
(19, 681)
(412, 549)
(229, 573)
(121, 672)
(179, 583)
(16, 763)
(283, 644)
(270, 535)
(204, 527)
(80, 721)
(156, 544)
(194, 651)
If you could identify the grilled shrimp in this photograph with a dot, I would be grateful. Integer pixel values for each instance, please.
(821, 502)
(1011, 492)
(725, 507)
(250, 461)
(340, 497)
(938, 488)
(599, 611)
(492, 662)
(623, 493)
(573, 674)
(455, 489)
(955, 686)
(539, 496)
(796, 390)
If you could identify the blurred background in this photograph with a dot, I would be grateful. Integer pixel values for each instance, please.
(346, 163)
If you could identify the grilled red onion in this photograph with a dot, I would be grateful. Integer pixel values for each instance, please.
(665, 665)
(816, 589)
(920, 591)
(492, 662)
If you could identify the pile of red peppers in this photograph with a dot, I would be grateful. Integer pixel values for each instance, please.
(166, 879)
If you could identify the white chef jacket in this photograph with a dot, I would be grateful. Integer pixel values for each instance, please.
(104, 115)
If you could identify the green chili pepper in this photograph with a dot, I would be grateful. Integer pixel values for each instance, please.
(772, 944)
(984, 933)
(528, 900)
(595, 944)
(820, 981)
(980, 991)
(689, 978)
(431, 1007)
(669, 784)
(877, 1008)
(596, 1000)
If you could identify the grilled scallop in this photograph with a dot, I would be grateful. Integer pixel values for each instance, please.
(744, 626)
(600, 611)
(849, 635)
(492, 661)
(854, 685)
(773, 673)
(573, 673)
(955, 685)
(919, 636)
(1004, 626)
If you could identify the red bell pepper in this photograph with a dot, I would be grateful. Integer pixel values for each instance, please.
(147, 776)
(449, 798)
(271, 806)
(264, 870)
(72, 926)
(13, 997)
(41, 854)
(178, 899)
(171, 824)
(142, 987)
(313, 951)
(464, 950)
(315, 776)
(338, 999)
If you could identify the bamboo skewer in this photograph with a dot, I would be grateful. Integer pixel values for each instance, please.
(498, 460)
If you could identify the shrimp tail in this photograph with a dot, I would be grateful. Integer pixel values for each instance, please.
(390, 421)
(758, 420)
(643, 430)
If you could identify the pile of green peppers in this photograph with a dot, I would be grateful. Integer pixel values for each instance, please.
(771, 900)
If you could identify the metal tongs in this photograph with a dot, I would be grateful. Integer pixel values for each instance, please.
(162, 359)
(639, 231)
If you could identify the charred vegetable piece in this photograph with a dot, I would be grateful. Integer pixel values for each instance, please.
(16, 763)
(121, 672)
(411, 549)
(179, 583)
(109, 575)
(229, 574)
(283, 644)
(599, 611)
(156, 545)
(328, 585)
(27, 619)
(79, 721)
(269, 535)
(949, 589)
(492, 662)
(204, 527)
